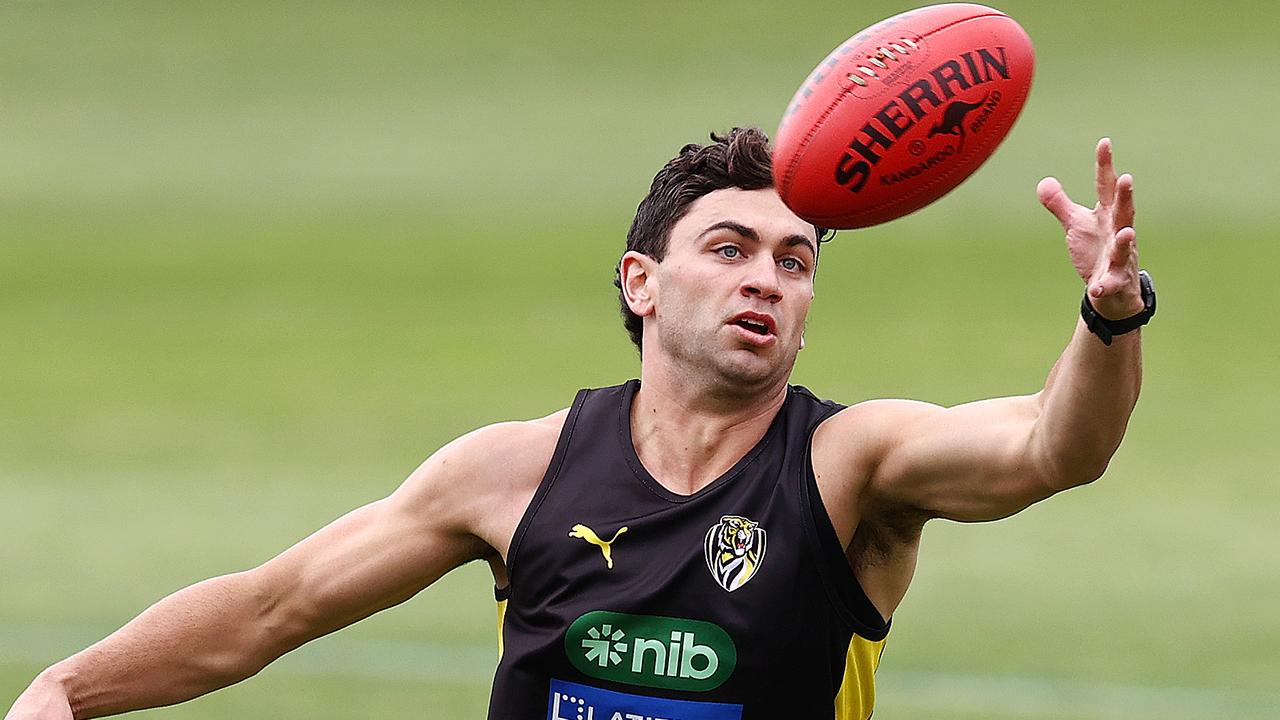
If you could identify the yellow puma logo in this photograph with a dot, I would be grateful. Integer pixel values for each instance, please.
(586, 533)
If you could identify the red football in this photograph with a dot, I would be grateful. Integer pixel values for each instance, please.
(901, 113)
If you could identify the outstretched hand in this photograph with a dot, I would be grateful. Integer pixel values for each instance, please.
(1101, 240)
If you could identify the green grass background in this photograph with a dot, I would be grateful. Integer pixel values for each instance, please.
(257, 260)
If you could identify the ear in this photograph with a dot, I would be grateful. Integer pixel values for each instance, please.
(636, 272)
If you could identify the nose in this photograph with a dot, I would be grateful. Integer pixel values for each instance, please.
(762, 280)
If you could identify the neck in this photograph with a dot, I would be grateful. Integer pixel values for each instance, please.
(687, 434)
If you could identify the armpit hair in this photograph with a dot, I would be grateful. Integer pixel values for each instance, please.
(884, 533)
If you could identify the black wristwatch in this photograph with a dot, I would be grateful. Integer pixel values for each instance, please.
(1106, 329)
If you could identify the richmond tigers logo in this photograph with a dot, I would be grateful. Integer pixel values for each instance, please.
(734, 549)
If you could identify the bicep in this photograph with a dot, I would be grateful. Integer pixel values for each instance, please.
(370, 559)
(972, 462)
(461, 504)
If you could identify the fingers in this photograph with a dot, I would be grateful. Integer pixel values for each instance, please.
(1055, 200)
(1125, 250)
(1105, 174)
(1122, 266)
(1124, 202)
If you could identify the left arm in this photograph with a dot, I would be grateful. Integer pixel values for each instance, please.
(990, 459)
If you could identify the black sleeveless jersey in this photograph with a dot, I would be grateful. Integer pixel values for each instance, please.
(627, 601)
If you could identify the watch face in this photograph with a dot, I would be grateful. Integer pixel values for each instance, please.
(1148, 293)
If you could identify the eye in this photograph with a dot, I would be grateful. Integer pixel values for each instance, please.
(791, 264)
(729, 251)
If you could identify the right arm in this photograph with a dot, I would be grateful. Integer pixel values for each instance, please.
(223, 630)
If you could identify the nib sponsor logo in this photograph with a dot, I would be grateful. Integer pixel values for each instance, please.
(653, 651)
(604, 646)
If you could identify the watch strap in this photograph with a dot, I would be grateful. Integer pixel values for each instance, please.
(1107, 329)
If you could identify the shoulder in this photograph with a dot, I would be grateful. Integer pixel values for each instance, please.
(880, 536)
(513, 446)
(484, 479)
(498, 454)
(877, 419)
(865, 430)
(848, 448)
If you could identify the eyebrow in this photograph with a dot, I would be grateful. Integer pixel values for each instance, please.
(751, 234)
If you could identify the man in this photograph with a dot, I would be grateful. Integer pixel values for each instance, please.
(706, 542)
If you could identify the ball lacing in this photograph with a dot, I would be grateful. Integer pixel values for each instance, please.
(904, 46)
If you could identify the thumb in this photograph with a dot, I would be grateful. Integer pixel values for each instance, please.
(1055, 200)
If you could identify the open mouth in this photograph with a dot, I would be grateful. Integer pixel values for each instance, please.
(758, 328)
(755, 328)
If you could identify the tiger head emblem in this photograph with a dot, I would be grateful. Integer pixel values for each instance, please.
(734, 548)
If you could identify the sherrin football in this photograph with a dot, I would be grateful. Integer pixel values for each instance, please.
(901, 113)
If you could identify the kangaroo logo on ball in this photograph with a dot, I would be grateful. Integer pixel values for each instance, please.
(952, 122)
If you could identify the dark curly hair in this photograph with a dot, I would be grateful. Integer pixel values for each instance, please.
(741, 159)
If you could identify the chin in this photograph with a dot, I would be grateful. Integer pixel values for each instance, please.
(755, 372)
(736, 369)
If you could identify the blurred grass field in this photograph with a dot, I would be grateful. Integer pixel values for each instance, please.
(257, 260)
